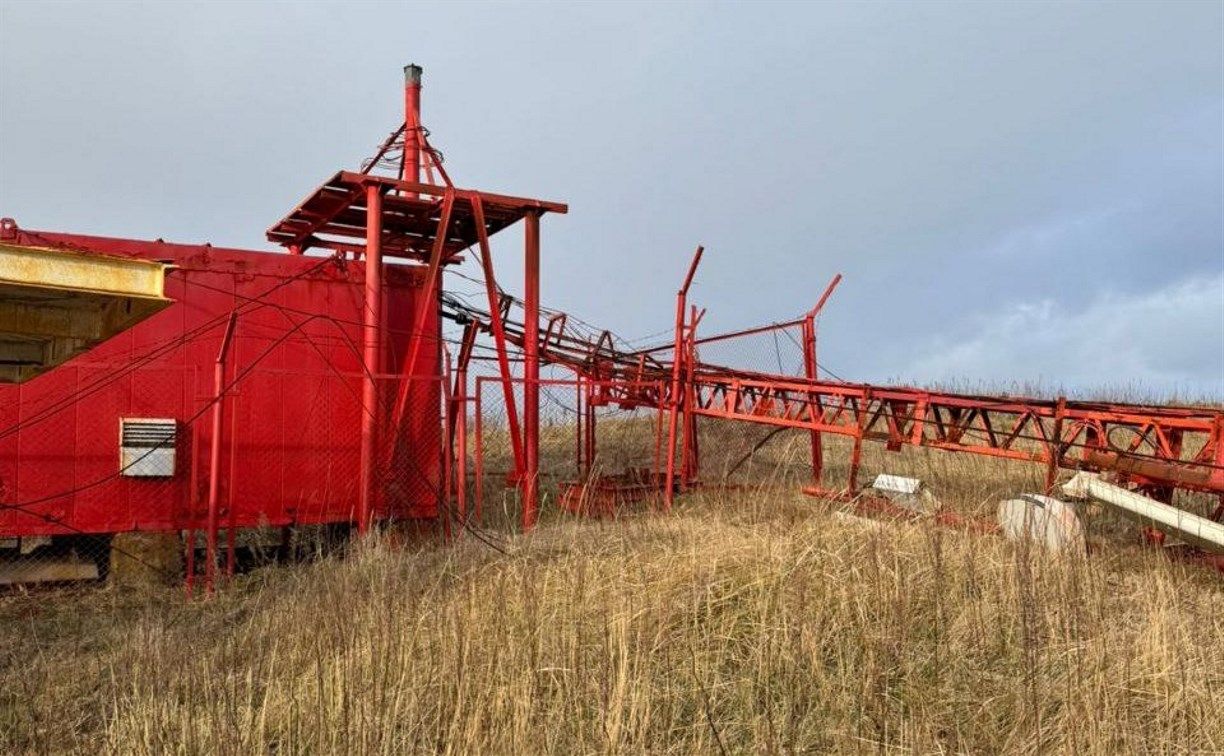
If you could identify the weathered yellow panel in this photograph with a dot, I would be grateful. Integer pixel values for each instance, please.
(56, 269)
(55, 304)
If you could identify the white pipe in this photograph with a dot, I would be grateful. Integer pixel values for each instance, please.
(1199, 531)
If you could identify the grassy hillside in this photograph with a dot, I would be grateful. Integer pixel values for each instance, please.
(762, 622)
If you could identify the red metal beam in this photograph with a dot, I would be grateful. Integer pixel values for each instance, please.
(214, 460)
(371, 322)
(669, 481)
(494, 319)
(410, 170)
(502, 201)
(531, 369)
(429, 302)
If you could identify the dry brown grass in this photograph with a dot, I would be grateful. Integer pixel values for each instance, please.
(759, 622)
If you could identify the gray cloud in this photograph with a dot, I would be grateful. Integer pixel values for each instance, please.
(1131, 345)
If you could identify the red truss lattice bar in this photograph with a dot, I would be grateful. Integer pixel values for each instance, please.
(1178, 446)
(1181, 447)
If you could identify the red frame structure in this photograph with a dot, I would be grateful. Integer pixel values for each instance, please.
(364, 320)
(251, 340)
(430, 224)
(404, 232)
(1158, 449)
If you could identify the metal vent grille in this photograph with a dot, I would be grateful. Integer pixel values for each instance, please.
(147, 447)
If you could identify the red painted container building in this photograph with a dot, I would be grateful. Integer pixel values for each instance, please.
(279, 388)
(291, 445)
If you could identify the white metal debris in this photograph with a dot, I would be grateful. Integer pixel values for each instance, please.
(1199, 531)
(1043, 520)
(910, 493)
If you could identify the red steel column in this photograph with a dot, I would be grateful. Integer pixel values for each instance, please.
(856, 452)
(810, 372)
(1217, 474)
(1053, 447)
(447, 446)
(691, 455)
(371, 322)
(461, 476)
(193, 500)
(677, 364)
(214, 469)
(531, 369)
(478, 431)
(578, 423)
(499, 333)
(590, 430)
(412, 123)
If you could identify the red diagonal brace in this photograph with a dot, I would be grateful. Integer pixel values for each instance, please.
(428, 303)
(496, 324)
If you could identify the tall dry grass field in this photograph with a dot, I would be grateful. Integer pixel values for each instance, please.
(758, 621)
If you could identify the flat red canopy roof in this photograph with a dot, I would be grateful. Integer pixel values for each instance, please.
(334, 216)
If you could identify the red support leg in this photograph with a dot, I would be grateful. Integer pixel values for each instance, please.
(578, 424)
(531, 370)
(669, 483)
(214, 465)
(448, 450)
(591, 430)
(429, 303)
(478, 483)
(193, 502)
(461, 401)
(410, 170)
(231, 533)
(499, 334)
(1054, 446)
(856, 453)
(371, 355)
(810, 372)
(1216, 442)
(692, 450)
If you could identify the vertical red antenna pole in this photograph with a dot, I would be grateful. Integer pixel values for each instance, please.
(478, 483)
(1216, 443)
(677, 363)
(499, 333)
(193, 501)
(448, 446)
(591, 430)
(412, 123)
(856, 451)
(811, 372)
(658, 455)
(429, 292)
(461, 475)
(231, 532)
(1054, 446)
(371, 322)
(578, 423)
(531, 369)
(459, 431)
(214, 470)
(686, 415)
(691, 455)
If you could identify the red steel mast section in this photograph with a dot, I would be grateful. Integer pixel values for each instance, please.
(424, 224)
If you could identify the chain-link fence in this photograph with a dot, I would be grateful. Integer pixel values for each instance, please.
(171, 462)
(255, 435)
(595, 453)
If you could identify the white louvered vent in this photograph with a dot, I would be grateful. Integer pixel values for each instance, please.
(147, 447)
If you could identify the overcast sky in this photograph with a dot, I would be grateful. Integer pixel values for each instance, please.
(1015, 192)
